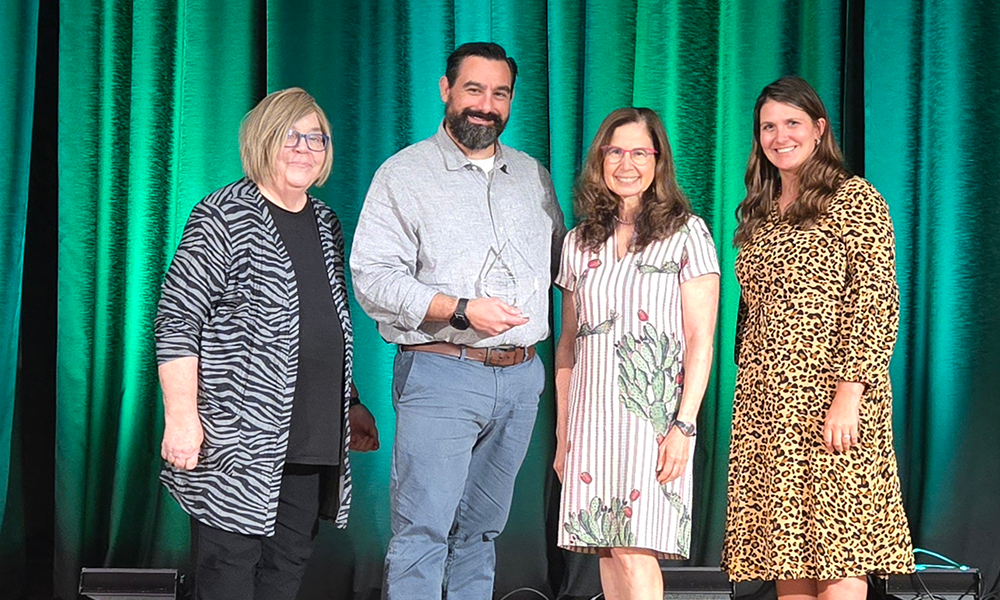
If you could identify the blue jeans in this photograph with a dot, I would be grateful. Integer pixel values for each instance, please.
(462, 430)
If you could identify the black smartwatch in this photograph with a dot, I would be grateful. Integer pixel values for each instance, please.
(458, 320)
(688, 429)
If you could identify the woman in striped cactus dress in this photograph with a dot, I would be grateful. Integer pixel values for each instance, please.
(640, 282)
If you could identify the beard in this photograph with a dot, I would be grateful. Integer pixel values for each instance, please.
(471, 135)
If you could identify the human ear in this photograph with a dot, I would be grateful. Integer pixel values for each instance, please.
(445, 88)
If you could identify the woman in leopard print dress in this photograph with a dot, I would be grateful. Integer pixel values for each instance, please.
(814, 497)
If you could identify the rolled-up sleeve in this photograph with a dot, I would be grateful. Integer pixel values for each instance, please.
(194, 283)
(384, 258)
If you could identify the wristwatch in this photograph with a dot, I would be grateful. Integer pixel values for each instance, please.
(688, 429)
(458, 320)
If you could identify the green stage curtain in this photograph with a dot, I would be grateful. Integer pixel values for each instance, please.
(18, 39)
(932, 126)
(151, 95)
(150, 99)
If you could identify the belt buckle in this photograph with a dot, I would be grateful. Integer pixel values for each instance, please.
(501, 356)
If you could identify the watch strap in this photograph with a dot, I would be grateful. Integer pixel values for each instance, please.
(688, 429)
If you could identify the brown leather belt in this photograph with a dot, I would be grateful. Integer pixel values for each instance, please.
(497, 356)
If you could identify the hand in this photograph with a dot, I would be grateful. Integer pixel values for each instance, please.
(364, 434)
(674, 450)
(559, 464)
(182, 439)
(492, 316)
(841, 428)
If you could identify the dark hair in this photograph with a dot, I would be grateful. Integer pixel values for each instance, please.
(818, 178)
(664, 209)
(487, 50)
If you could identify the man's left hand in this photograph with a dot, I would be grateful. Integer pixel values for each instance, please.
(364, 434)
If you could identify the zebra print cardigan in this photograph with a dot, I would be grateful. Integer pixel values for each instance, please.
(230, 299)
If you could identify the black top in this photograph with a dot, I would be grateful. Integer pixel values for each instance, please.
(314, 436)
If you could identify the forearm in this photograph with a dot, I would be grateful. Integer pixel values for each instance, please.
(697, 368)
(850, 392)
(179, 381)
(441, 309)
(565, 359)
(699, 303)
(390, 296)
(564, 372)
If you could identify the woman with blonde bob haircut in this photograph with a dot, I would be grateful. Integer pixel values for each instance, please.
(819, 311)
(253, 340)
(640, 283)
(264, 131)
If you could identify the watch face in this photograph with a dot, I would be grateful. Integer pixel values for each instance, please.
(687, 429)
(459, 322)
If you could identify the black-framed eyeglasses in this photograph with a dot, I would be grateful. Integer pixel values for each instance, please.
(317, 142)
(640, 156)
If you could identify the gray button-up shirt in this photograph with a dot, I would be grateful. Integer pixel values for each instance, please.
(434, 222)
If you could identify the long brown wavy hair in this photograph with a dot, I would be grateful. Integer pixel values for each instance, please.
(818, 178)
(664, 207)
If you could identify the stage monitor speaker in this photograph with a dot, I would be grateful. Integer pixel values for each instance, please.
(695, 583)
(939, 584)
(754, 590)
(128, 584)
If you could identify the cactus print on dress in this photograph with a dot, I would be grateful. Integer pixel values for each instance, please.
(626, 383)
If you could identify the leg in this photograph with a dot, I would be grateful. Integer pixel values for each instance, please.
(796, 589)
(224, 563)
(610, 586)
(637, 574)
(496, 459)
(285, 554)
(438, 419)
(852, 588)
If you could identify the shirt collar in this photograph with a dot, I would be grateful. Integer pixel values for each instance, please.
(455, 159)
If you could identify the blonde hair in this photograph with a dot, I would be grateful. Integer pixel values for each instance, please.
(264, 129)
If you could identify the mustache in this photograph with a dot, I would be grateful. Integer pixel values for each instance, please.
(481, 115)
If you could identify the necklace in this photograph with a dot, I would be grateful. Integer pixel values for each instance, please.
(623, 221)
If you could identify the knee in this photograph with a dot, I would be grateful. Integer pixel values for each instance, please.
(635, 563)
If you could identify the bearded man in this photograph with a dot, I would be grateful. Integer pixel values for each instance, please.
(453, 257)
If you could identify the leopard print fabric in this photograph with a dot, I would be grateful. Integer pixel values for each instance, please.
(819, 306)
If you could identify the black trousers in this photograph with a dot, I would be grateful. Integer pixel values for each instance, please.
(234, 566)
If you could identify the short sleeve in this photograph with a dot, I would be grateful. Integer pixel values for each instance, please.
(699, 256)
(566, 279)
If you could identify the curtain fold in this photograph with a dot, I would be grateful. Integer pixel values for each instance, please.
(151, 95)
(18, 39)
(758, 42)
(930, 147)
(150, 99)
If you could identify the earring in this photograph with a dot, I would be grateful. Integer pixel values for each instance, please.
(817, 141)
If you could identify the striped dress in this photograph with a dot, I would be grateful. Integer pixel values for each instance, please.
(625, 388)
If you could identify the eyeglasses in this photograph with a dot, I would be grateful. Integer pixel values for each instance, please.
(317, 142)
(640, 156)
